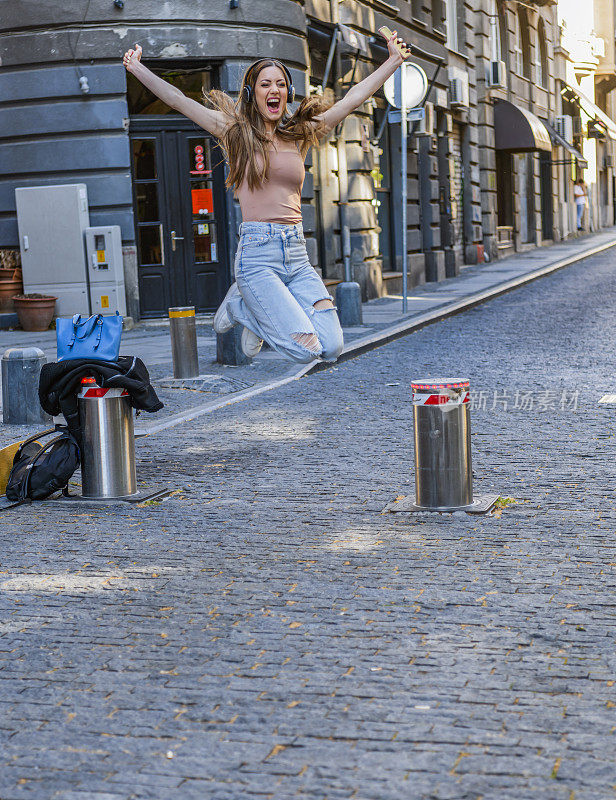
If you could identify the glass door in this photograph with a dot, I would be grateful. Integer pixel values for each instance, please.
(200, 218)
(149, 194)
(179, 202)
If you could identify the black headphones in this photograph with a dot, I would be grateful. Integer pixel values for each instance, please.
(247, 91)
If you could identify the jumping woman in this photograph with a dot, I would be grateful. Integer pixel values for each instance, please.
(277, 296)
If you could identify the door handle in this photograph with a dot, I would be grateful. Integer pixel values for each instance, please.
(175, 239)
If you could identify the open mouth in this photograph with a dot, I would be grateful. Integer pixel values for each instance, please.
(273, 105)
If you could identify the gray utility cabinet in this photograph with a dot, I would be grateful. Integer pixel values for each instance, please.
(51, 222)
(105, 269)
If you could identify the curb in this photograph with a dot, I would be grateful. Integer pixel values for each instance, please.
(397, 331)
(372, 341)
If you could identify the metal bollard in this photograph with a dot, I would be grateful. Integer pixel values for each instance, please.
(229, 348)
(442, 422)
(21, 370)
(348, 301)
(108, 452)
(184, 342)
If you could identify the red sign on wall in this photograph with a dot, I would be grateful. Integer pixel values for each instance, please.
(202, 201)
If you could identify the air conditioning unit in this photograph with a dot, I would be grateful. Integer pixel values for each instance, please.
(597, 44)
(425, 126)
(564, 127)
(496, 75)
(458, 92)
(578, 126)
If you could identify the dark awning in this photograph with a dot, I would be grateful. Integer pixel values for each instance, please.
(516, 130)
(558, 140)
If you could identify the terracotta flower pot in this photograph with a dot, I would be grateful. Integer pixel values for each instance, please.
(8, 290)
(35, 311)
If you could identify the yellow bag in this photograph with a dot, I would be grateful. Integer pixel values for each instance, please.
(7, 454)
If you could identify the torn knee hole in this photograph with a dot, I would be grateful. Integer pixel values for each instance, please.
(320, 304)
(308, 340)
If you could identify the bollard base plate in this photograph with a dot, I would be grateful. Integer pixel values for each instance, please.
(139, 497)
(481, 505)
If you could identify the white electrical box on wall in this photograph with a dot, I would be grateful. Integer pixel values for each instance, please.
(105, 269)
(51, 222)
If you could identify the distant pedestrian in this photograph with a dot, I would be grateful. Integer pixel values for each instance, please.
(278, 296)
(580, 194)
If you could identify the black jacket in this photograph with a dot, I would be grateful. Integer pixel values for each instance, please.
(60, 383)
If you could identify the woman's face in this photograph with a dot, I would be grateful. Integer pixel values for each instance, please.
(271, 93)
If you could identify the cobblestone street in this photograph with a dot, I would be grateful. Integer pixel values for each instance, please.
(268, 633)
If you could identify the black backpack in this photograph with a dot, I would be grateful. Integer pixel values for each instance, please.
(39, 470)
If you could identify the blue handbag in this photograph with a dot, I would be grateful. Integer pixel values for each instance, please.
(96, 338)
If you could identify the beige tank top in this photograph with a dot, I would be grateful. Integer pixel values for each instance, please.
(279, 198)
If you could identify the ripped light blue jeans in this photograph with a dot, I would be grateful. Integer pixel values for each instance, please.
(279, 289)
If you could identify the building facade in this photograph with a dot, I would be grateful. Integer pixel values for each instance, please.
(519, 106)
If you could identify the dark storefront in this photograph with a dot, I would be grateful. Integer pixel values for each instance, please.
(179, 201)
(518, 135)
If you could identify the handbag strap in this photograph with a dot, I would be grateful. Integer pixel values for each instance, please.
(32, 438)
(88, 325)
(99, 322)
(14, 505)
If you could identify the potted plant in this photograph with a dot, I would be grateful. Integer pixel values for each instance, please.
(8, 290)
(35, 311)
(10, 279)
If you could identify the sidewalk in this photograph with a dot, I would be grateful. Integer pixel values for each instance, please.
(383, 321)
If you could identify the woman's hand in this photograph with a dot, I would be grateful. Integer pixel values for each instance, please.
(132, 57)
(398, 49)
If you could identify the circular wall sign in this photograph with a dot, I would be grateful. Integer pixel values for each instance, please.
(415, 86)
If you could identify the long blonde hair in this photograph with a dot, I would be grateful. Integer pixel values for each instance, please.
(245, 142)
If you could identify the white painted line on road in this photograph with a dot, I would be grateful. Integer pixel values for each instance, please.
(608, 398)
(199, 411)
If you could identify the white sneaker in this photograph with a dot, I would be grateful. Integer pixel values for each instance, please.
(222, 320)
(251, 343)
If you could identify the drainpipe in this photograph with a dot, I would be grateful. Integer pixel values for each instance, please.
(348, 293)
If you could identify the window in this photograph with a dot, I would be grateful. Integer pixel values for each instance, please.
(417, 10)
(524, 50)
(499, 46)
(192, 82)
(495, 33)
(542, 49)
(504, 39)
(439, 15)
(452, 24)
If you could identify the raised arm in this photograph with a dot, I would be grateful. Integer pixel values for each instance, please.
(212, 121)
(358, 94)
